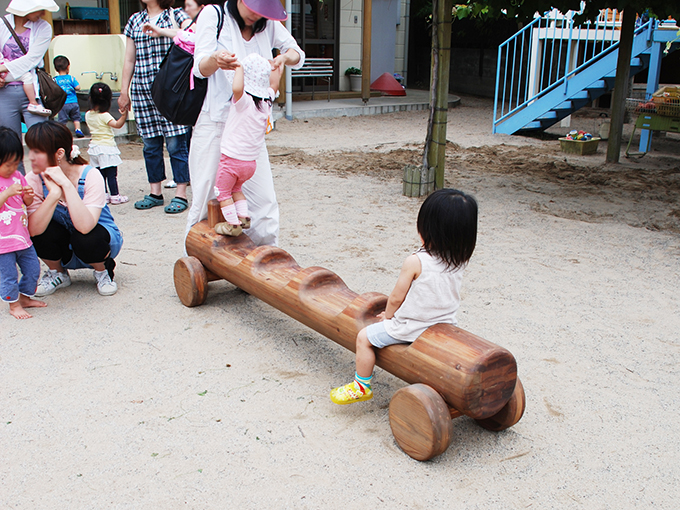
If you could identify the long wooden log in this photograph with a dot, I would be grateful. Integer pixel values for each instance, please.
(474, 376)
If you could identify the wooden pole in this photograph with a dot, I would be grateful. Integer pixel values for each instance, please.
(367, 26)
(621, 85)
(114, 17)
(46, 59)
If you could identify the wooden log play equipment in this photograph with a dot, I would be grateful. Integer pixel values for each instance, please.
(451, 372)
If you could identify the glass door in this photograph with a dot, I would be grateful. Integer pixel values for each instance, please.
(314, 26)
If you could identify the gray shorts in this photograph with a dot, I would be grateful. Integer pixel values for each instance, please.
(378, 336)
(70, 111)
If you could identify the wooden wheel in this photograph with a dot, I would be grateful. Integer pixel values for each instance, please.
(510, 414)
(191, 281)
(420, 421)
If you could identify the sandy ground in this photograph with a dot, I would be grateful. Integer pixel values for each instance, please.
(135, 401)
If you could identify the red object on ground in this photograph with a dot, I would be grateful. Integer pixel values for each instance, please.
(386, 84)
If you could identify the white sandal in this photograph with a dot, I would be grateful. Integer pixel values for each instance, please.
(37, 109)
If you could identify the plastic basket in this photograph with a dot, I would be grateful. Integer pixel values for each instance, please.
(89, 13)
(667, 101)
(638, 106)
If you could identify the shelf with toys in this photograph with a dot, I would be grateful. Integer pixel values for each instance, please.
(660, 113)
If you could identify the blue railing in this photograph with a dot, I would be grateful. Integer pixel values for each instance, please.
(546, 53)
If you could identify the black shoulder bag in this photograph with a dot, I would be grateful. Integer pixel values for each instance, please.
(171, 91)
(51, 94)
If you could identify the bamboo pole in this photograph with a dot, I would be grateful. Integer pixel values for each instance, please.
(114, 17)
(441, 53)
(367, 25)
(621, 85)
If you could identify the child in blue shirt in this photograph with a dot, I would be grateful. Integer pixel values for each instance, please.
(71, 110)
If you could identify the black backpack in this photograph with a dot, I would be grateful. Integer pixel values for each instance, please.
(170, 90)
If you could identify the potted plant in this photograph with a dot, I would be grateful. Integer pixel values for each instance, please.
(354, 74)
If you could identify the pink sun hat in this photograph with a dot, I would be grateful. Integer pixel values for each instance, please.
(270, 9)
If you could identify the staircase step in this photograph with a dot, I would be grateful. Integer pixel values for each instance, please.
(532, 126)
(599, 84)
(551, 115)
(580, 95)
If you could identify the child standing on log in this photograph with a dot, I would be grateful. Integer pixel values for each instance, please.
(254, 88)
(427, 291)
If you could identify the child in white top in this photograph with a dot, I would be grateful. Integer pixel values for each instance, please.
(16, 248)
(254, 88)
(104, 153)
(427, 290)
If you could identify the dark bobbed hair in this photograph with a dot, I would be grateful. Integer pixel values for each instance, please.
(165, 4)
(447, 222)
(61, 63)
(232, 7)
(100, 97)
(11, 148)
(49, 137)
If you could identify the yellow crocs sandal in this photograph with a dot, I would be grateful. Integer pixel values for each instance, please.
(350, 393)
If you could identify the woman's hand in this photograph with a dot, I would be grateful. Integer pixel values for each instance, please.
(289, 58)
(53, 189)
(55, 174)
(279, 61)
(226, 60)
(123, 102)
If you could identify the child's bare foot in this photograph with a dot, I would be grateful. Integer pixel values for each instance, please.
(18, 312)
(29, 302)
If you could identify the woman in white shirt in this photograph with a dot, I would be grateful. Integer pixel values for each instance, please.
(35, 34)
(249, 26)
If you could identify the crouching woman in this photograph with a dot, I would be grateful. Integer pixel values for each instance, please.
(70, 224)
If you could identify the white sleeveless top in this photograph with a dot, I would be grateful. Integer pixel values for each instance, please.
(434, 297)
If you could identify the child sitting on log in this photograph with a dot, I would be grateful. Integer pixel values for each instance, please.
(427, 291)
(254, 88)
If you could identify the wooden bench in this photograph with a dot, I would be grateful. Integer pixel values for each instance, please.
(316, 68)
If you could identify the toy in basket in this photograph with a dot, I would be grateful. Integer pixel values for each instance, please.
(667, 101)
(579, 142)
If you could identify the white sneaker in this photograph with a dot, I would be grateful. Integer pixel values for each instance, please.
(105, 285)
(52, 280)
(171, 184)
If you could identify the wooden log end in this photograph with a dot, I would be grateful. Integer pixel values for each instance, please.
(510, 414)
(420, 421)
(191, 281)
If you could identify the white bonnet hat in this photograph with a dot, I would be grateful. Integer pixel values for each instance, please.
(256, 72)
(24, 7)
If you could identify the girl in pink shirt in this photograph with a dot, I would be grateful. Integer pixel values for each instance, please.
(16, 247)
(254, 88)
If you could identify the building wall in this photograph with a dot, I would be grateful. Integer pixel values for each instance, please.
(351, 36)
(350, 25)
(401, 43)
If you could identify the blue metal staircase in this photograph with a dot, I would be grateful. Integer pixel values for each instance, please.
(551, 68)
